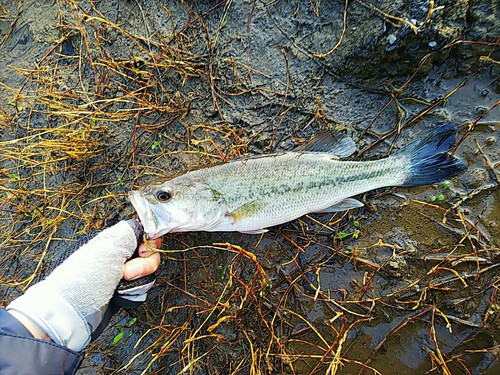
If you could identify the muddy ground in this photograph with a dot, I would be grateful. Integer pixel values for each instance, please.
(98, 98)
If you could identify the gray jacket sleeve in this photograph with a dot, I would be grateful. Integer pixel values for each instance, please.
(22, 354)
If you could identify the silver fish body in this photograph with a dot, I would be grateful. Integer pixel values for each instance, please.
(249, 195)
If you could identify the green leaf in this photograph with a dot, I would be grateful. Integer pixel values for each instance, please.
(223, 271)
(356, 224)
(18, 107)
(440, 198)
(155, 145)
(13, 177)
(343, 235)
(118, 337)
(433, 198)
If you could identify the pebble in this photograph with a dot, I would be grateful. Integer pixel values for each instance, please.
(391, 38)
(481, 110)
(394, 265)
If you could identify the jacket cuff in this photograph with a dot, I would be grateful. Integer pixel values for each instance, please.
(23, 354)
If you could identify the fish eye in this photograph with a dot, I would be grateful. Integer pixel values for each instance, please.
(163, 196)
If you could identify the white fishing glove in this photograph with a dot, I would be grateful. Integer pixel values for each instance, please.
(70, 303)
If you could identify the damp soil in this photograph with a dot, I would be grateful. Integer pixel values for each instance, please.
(98, 98)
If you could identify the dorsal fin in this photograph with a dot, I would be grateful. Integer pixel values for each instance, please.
(329, 142)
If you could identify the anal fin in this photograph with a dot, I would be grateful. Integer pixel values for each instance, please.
(346, 204)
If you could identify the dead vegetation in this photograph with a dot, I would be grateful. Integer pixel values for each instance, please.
(87, 125)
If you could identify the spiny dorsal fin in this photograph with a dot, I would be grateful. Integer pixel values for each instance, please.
(329, 142)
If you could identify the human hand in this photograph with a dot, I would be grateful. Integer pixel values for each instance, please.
(147, 262)
(69, 304)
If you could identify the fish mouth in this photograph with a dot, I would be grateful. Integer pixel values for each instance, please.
(146, 215)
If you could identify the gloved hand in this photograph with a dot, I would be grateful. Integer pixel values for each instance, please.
(69, 304)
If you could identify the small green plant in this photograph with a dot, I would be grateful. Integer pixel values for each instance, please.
(13, 177)
(156, 142)
(440, 197)
(342, 235)
(119, 337)
(493, 309)
(18, 107)
(222, 270)
(354, 234)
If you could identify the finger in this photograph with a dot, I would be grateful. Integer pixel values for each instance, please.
(153, 242)
(139, 267)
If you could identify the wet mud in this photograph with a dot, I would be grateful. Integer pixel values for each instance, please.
(98, 98)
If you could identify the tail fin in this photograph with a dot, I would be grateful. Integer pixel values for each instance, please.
(430, 161)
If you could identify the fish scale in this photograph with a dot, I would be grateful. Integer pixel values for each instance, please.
(300, 173)
(293, 184)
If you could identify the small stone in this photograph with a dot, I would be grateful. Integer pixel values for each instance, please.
(394, 265)
(481, 110)
(391, 38)
(485, 92)
(432, 44)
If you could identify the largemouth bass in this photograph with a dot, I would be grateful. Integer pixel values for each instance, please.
(254, 193)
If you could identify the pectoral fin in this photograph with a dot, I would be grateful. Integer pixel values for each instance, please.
(346, 204)
(246, 210)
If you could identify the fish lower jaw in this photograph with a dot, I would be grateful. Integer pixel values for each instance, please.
(148, 222)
